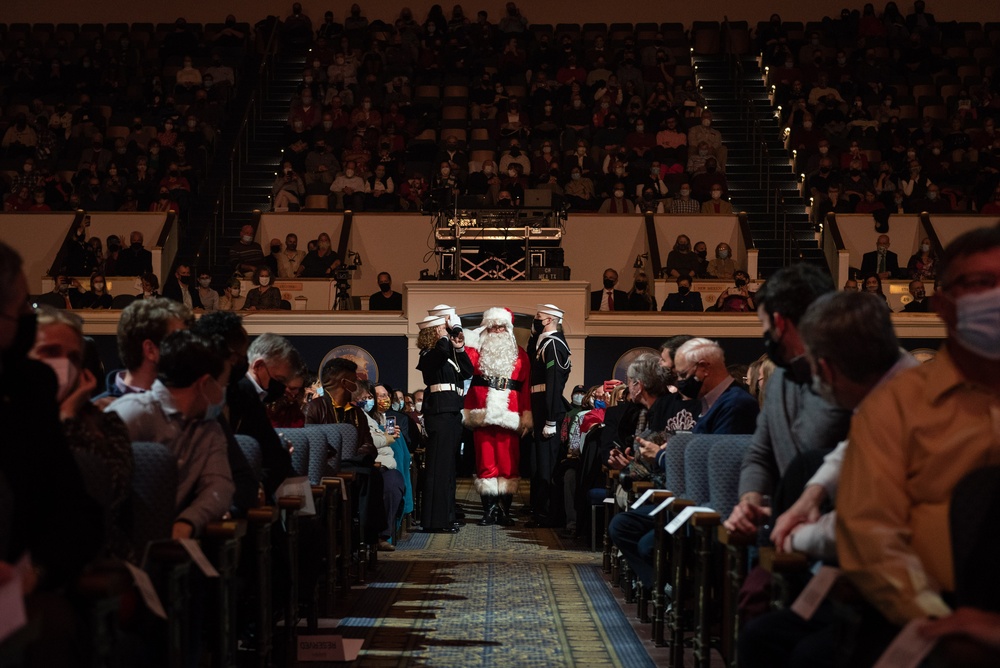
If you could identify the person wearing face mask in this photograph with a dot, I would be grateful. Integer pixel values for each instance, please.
(322, 262)
(723, 265)
(737, 299)
(683, 299)
(640, 297)
(347, 191)
(180, 411)
(387, 443)
(246, 255)
(232, 299)
(609, 299)
(339, 377)
(717, 206)
(206, 294)
(262, 371)
(59, 344)
(182, 288)
(98, 296)
(923, 264)
(853, 351)
(288, 190)
(682, 260)
(912, 440)
(794, 419)
(881, 261)
(703, 132)
(265, 297)
(34, 457)
(919, 303)
(683, 202)
(386, 299)
(288, 262)
(617, 202)
(550, 367)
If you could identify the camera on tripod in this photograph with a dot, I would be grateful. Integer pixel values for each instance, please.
(342, 276)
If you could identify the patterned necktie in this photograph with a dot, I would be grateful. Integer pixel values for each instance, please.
(611, 300)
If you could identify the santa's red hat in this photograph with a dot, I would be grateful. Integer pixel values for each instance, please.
(498, 316)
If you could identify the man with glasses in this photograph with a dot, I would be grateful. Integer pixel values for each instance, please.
(726, 408)
(911, 441)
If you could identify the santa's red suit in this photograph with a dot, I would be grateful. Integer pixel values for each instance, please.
(498, 405)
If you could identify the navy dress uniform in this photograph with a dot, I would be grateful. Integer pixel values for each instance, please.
(550, 366)
(445, 369)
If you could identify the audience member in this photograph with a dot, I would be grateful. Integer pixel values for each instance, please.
(246, 255)
(231, 299)
(180, 411)
(264, 297)
(386, 299)
(207, 295)
(609, 299)
(881, 261)
(683, 299)
(322, 262)
(922, 264)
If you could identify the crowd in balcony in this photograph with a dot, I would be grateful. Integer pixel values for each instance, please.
(113, 117)
(889, 113)
(402, 115)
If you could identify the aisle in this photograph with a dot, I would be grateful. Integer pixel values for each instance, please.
(490, 596)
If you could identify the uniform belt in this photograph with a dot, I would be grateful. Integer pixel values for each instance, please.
(497, 383)
(443, 387)
(538, 388)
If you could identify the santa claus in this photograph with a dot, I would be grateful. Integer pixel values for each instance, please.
(498, 410)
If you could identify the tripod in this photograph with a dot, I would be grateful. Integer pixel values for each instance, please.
(343, 301)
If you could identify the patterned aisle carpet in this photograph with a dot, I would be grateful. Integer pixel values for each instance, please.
(489, 596)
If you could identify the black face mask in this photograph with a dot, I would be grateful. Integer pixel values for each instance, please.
(690, 387)
(640, 285)
(137, 246)
(797, 369)
(183, 280)
(291, 247)
(24, 337)
(683, 290)
(703, 254)
(740, 282)
(275, 390)
(515, 152)
(536, 326)
(608, 284)
(384, 287)
(275, 249)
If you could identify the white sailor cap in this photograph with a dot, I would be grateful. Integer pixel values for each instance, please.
(551, 309)
(442, 309)
(431, 321)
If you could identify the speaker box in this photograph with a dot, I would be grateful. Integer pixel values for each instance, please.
(549, 274)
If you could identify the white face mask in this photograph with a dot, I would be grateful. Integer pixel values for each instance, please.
(99, 285)
(246, 238)
(723, 254)
(619, 194)
(349, 173)
(685, 192)
(925, 248)
(418, 405)
(978, 327)
(716, 194)
(204, 282)
(66, 373)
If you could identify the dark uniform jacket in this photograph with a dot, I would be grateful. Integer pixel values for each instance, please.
(444, 365)
(550, 365)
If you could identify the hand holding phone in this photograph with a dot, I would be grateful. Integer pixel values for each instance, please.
(390, 423)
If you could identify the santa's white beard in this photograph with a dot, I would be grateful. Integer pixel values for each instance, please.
(497, 354)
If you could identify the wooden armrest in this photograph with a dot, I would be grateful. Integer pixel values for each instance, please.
(291, 502)
(263, 515)
(347, 476)
(104, 580)
(737, 539)
(319, 491)
(782, 562)
(661, 496)
(706, 519)
(680, 504)
(641, 486)
(227, 530)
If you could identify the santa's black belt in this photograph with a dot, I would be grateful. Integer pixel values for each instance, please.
(497, 383)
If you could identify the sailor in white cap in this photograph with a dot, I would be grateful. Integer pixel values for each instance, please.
(445, 366)
(550, 366)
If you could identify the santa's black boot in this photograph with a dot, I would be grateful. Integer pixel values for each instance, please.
(490, 510)
(505, 518)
